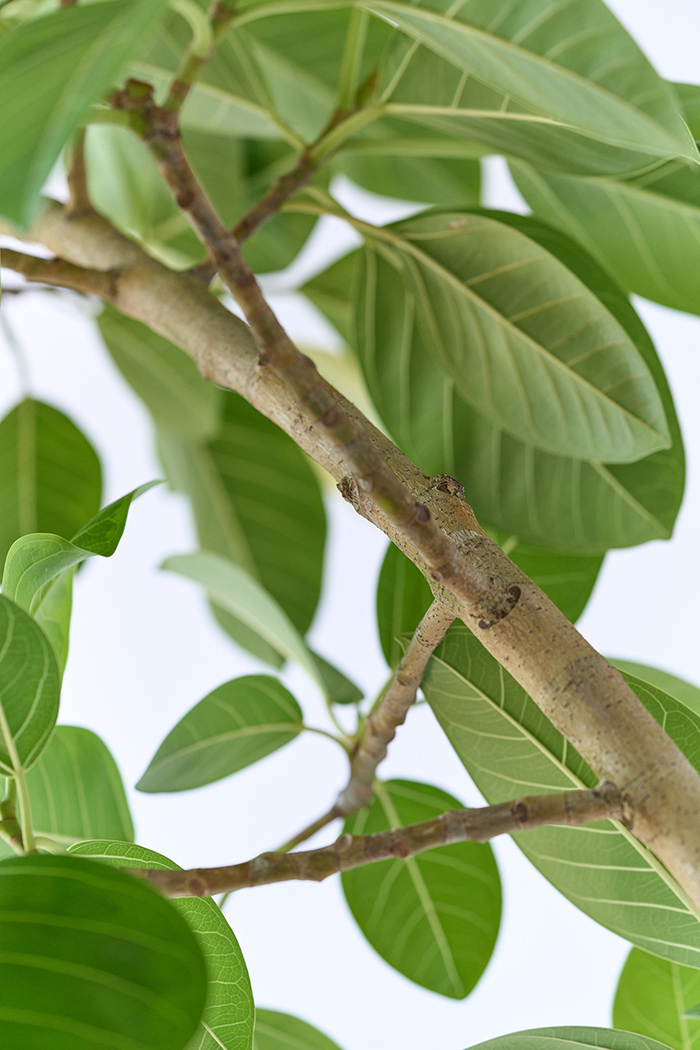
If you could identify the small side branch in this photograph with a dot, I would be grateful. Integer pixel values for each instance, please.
(62, 274)
(205, 40)
(354, 851)
(79, 204)
(380, 728)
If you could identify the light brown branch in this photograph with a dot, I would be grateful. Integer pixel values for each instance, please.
(380, 728)
(78, 197)
(61, 274)
(354, 851)
(586, 699)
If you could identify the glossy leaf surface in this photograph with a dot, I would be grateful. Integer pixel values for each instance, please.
(237, 592)
(522, 338)
(540, 79)
(434, 917)
(52, 69)
(277, 1031)
(30, 685)
(543, 499)
(256, 501)
(511, 749)
(563, 1038)
(93, 957)
(50, 478)
(233, 727)
(228, 1018)
(651, 998)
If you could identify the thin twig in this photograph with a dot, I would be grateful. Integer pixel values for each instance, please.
(380, 728)
(372, 476)
(197, 56)
(354, 851)
(62, 274)
(79, 204)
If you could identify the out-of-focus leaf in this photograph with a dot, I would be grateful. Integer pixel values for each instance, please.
(229, 1015)
(543, 499)
(93, 957)
(652, 997)
(50, 478)
(30, 685)
(433, 180)
(52, 69)
(164, 378)
(563, 87)
(338, 688)
(276, 1031)
(522, 338)
(511, 749)
(237, 592)
(564, 1038)
(330, 291)
(231, 728)
(434, 917)
(257, 502)
(403, 598)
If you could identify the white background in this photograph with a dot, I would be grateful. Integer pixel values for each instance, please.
(144, 649)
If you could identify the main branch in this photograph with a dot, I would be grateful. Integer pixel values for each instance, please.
(354, 851)
(583, 696)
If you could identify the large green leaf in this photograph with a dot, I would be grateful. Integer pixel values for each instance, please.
(276, 1031)
(565, 1038)
(256, 501)
(167, 380)
(562, 86)
(76, 791)
(233, 727)
(524, 340)
(91, 957)
(30, 685)
(511, 749)
(403, 597)
(653, 995)
(50, 478)
(684, 691)
(52, 69)
(434, 917)
(331, 292)
(238, 593)
(545, 499)
(644, 231)
(34, 561)
(434, 180)
(228, 1018)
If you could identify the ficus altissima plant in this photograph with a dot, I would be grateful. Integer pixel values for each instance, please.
(523, 427)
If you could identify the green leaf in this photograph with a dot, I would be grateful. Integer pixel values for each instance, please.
(50, 478)
(544, 499)
(689, 97)
(645, 231)
(652, 997)
(228, 1018)
(54, 613)
(434, 180)
(403, 593)
(75, 790)
(561, 87)
(30, 685)
(237, 592)
(231, 728)
(337, 687)
(93, 957)
(403, 598)
(511, 749)
(330, 292)
(34, 561)
(687, 693)
(257, 502)
(564, 1038)
(276, 1031)
(434, 917)
(53, 69)
(523, 339)
(167, 380)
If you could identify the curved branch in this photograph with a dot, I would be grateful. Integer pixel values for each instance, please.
(354, 851)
